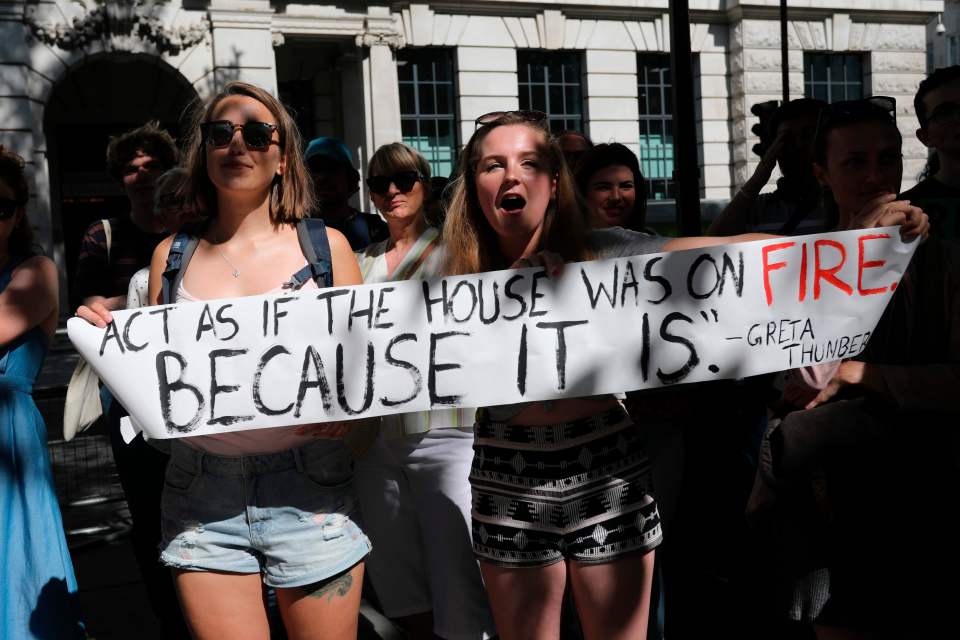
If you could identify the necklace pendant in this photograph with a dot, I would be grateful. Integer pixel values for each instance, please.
(236, 274)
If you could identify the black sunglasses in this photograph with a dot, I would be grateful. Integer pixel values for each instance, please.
(493, 117)
(404, 180)
(258, 136)
(8, 208)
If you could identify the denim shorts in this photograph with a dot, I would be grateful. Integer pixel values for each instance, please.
(288, 515)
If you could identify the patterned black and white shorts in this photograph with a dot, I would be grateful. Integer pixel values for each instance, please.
(578, 490)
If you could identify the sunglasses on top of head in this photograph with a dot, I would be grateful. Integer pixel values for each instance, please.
(862, 108)
(403, 180)
(538, 117)
(8, 208)
(257, 136)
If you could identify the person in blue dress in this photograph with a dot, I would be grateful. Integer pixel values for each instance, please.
(38, 597)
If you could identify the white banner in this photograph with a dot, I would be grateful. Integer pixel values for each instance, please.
(496, 338)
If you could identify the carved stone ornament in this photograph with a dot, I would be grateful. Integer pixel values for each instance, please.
(370, 39)
(116, 21)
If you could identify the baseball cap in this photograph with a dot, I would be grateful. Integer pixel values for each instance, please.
(330, 149)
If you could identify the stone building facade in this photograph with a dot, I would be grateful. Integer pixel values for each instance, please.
(73, 69)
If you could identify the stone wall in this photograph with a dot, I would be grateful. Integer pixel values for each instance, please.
(894, 65)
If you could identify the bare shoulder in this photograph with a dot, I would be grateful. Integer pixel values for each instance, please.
(338, 241)
(36, 268)
(163, 248)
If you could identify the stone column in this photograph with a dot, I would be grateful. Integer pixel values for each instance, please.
(243, 43)
(381, 88)
(611, 90)
(713, 101)
(897, 65)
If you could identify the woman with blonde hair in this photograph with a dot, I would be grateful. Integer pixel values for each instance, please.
(264, 504)
(412, 482)
(580, 510)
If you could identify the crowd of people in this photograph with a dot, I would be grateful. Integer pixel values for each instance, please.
(806, 504)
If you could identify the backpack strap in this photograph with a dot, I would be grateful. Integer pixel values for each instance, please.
(184, 244)
(312, 233)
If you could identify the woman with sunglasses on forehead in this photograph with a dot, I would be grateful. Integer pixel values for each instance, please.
(878, 431)
(566, 517)
(39, 592)
(271, 505)
(412, 482)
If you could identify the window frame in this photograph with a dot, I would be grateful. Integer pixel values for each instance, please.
(439, 55)
(810, 82)
(660, 182)
(558, 121)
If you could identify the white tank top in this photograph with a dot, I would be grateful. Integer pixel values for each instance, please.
(251, 441)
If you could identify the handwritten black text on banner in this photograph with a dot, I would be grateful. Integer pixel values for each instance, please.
(496, 338)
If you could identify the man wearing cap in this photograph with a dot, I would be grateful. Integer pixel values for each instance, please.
(795, 207)
(335, 179)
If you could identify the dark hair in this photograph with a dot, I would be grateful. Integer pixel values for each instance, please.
(607, 155)
(13, 174)
(841, 115)
(794, 109)
(149, 139)
(935, 80)
(575, 134)
(291, 195)
(471, 243)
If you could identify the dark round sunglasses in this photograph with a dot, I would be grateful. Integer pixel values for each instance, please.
(8, 208)
(404, 181)
(258, 136)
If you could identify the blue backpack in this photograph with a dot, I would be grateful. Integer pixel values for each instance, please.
(311, 232)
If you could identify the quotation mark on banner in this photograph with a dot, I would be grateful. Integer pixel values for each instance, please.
(716, 318)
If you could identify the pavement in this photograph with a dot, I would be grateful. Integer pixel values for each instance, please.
(97, 522)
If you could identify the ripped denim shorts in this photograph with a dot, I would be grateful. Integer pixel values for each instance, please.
(288, 515)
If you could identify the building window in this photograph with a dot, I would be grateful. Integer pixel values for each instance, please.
(656, 124)
(953, 50)
(427, 112)
(551, 82)
(833, 77)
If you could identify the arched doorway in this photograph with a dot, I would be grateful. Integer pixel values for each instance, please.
(101, 97)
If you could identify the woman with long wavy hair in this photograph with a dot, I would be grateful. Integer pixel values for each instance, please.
(580, 512)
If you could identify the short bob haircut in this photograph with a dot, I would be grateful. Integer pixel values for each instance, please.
(396, 157)
(149, 139)
(472, 244)
(291, 195)
(615, 154)
(13, 174)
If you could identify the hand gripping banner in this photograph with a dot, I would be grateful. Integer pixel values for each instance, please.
(496, 338)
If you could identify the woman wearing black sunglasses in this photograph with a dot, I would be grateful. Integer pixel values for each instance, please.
(39, 587)
(270, 505)
(412, 482)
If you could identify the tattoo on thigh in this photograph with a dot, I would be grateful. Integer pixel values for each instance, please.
(338, 587)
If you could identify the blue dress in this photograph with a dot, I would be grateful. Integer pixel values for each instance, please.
(38, 591)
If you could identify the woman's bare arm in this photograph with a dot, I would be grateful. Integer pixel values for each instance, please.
(29, 299)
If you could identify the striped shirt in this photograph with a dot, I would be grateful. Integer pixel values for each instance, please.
(131, 249)
(423, 260)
